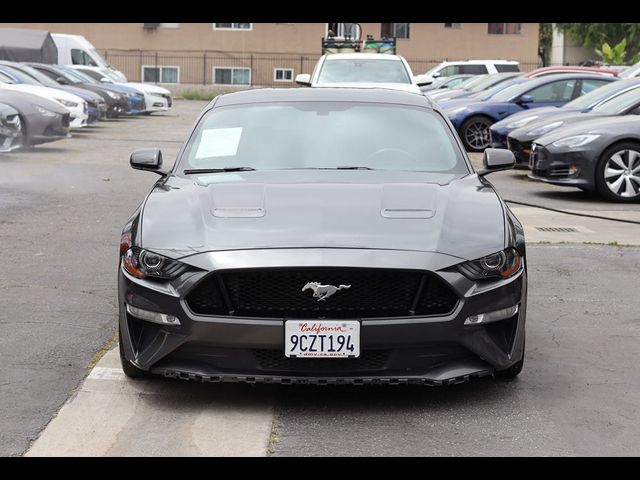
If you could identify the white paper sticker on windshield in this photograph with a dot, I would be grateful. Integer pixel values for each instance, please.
(219, 142)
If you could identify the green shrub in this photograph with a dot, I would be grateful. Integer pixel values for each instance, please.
(201, 94)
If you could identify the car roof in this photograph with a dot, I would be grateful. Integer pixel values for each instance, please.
(569, 68)
(447, 62)
(367, 94)
(362, 56)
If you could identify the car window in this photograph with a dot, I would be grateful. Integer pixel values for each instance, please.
(363, 70)
(507, 67)
(560, 91)
(80, 57)
(473, 69)
(455, 82)
(619, 103)
(590, 85)
(93, 74)
(300, 135)
(6, 79)
(449, 70)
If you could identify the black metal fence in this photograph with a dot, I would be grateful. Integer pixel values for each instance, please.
(235, 69)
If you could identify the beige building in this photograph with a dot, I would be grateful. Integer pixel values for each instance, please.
(274, 53)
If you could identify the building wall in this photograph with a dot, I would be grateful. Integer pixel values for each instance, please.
(196, 48)
(565, 51)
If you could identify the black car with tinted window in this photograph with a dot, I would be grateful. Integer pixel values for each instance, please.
(329, 235)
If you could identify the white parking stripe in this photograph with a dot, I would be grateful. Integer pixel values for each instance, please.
(112, 415)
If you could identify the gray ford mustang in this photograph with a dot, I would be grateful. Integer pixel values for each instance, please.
(332, 235)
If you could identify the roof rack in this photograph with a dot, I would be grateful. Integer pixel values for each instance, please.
(348, 45)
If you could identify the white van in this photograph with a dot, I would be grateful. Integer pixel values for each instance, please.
(77, 50)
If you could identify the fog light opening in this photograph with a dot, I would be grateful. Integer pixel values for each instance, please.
(494, 316)
(573, 170)
(155, 317)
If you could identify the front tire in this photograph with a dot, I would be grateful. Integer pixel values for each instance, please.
(129, 369)
(474, 133)
(617, 174)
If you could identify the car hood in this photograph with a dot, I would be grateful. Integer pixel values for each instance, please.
(46, 92)
(454, 215)
(614, 126)
(549, 124)
(536, 114)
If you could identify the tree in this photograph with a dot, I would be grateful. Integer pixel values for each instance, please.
(594, 35)
(613, 55)
(545, 33)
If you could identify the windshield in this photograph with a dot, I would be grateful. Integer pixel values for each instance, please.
(22, 77)
(39, 77)
(491, 92)
(303, 135)
(6, 79)
(619, 103)
(594, 96)
(630, 72)
(80, 76)
(372, 70)
(512, 91)
(99, 59)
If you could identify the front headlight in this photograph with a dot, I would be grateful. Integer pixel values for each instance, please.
(67, 103)
(45, 112)
(522, 122)
(503, 264)
(538, 132)
(115, 96)
(575, 141)
(145, 264)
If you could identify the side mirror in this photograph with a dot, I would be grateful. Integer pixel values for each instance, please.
(436, 75)
(303, 79)
(496, 159)
(525, 99)
(62, 81)
(423, 80)
(149, 159)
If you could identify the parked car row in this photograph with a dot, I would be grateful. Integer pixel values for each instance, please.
(572, 126)
(42, 103)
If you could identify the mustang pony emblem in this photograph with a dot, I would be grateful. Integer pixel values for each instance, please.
(322, 292)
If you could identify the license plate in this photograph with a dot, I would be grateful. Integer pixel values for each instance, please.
(325, 339)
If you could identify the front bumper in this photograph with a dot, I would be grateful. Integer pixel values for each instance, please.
(157, 103)
(564, 167)
(428, 350)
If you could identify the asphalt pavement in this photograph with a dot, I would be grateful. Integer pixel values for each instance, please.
(62, 207)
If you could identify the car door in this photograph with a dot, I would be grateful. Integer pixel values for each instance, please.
(552, 94)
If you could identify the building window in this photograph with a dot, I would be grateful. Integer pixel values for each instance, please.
(283, 74)
(233, 26)
(505, 28)
(452, 25)
(336, 29)
(231, 76)
(397, 30)
(160, 74)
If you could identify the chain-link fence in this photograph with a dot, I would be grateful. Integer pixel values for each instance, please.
(230, 69)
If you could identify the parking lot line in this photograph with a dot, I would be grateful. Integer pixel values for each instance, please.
(111, 415)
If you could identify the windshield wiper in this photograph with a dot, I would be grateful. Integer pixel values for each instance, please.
(219, 170)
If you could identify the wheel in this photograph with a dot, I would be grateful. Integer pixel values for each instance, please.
(475, 133)
(618, 173)
(129, 369)
(513, 371)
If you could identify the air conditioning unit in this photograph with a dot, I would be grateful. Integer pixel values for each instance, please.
(150, 26)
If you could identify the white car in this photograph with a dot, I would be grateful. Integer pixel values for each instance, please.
(472, 67)
(362, 70)
(76, 105)
(157, 99)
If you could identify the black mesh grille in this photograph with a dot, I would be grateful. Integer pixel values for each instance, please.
(206, 299)
(275, 360)
(371, 293)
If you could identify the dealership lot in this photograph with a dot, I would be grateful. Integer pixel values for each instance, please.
(62, 208)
